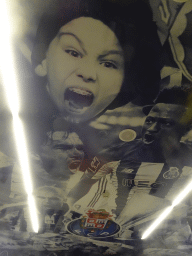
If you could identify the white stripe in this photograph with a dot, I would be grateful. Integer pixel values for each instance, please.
(101, 188)
(148, 172)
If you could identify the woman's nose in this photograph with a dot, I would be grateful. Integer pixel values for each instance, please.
(87, 71)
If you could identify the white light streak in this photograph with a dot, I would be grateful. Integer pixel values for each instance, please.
(168, 210)
(183, 194)
(157, 222)
(8, 74)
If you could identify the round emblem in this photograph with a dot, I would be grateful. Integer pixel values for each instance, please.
(172, 173)
(96, 224)
(127, 135)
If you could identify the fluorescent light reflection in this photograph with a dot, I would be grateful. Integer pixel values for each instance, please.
(10, 83)
(168, 210)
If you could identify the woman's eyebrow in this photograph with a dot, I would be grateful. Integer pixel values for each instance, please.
(112, 52)
(71, 34)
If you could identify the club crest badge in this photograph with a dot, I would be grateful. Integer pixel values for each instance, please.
(95, 224)
(172, 173)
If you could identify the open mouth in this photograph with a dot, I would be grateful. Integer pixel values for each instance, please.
(74, 163)
(78, 99)
(148, 138)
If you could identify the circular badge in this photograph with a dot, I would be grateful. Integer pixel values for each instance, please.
(127, 135)
(95, 224)
(82, 227)
(172, 173)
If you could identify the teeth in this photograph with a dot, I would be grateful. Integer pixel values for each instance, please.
(78, 99)
(148, 138)
(80, 91)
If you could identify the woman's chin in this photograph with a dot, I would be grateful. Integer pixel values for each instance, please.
(77, 118)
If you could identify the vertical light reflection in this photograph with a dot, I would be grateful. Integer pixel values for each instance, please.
(157, 222)
(8, 75)
(165, 213)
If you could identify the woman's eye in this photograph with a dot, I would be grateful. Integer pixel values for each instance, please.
(109, 65)
(73, 53)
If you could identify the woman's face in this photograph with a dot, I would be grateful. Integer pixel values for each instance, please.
(85, 68)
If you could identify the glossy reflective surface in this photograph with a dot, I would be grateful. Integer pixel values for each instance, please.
(108, 177)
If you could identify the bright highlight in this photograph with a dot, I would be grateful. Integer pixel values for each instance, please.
(168, 210)
(10, 83)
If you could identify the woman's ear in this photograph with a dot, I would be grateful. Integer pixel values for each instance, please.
(41, 69)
